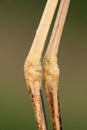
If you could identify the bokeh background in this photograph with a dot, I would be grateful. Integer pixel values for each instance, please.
(19, 20)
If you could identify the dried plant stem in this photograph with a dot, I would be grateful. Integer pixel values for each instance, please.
(42, 31)
(50, 66)
(32, 66)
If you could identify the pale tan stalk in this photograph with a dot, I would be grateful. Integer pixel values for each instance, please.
(50, 66)
(42, 31)
(32, 66)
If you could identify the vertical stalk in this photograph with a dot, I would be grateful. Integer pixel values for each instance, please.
(32, 66)
(42, 31)
(50, 66)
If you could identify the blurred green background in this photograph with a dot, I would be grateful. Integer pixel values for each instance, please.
(19, 20)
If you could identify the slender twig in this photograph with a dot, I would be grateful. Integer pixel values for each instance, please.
(32, 66)
(50, 66)
(42, 31)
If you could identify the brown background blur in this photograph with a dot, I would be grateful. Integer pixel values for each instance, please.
(19, 20)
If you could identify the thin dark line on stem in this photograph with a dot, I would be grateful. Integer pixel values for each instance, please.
(44, 109)
(59, 113)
